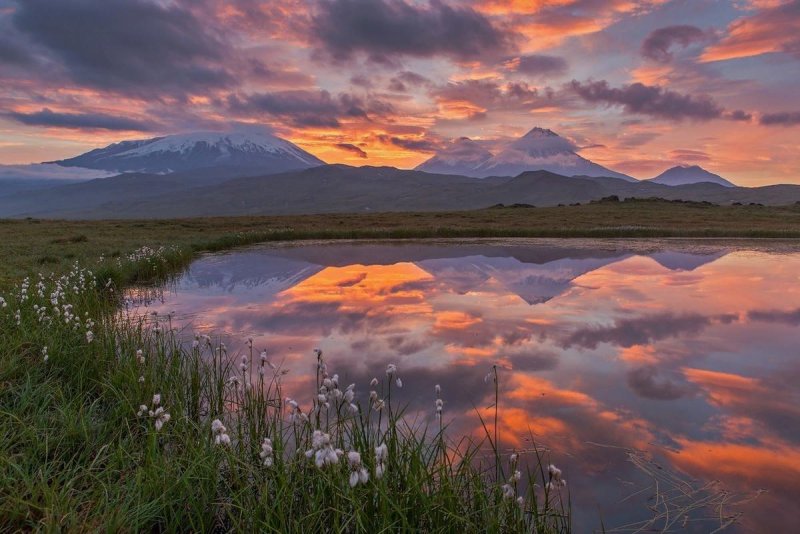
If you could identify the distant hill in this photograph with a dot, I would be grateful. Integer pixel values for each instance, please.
(539, 149)
(183, 152)
(689, 174)
(344, 189)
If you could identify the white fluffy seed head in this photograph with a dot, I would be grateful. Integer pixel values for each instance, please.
(217, 427)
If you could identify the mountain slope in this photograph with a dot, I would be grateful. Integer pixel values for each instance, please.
(542, 149)
(689, 174)
(197, 150)
(539, 149)
(89, 196)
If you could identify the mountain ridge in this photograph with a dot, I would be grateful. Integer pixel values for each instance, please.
(344, 189)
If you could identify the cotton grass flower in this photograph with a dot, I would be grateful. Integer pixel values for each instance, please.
(157, 413)
(358, 473)
(294, 409)
(89, 336)
(160, 417)
(556, 480)
(220, 433)
(266, 452)
(381, 455)
(322, 451)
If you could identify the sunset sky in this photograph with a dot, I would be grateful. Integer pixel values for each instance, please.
(638, 86)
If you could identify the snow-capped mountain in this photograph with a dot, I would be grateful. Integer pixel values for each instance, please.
(689, 174)
(539, 149)
(463, 156)
(183, 152)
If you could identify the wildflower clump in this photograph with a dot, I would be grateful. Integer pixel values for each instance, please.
(157, 413)
(266, 452)
(220, 433)
(358, 473)
(556, 481)
(322, 450)
(381, 454)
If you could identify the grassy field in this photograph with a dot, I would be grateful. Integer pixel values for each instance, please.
(95, 434)
(109, 423)
(32, 245)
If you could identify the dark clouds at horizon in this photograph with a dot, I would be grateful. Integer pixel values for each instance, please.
(397, 79)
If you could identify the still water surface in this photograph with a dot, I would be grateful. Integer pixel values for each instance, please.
(687, 352)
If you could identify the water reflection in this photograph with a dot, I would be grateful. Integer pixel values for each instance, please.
(690, 355)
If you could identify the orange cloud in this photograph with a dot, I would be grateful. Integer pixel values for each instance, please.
(455, 320)
(531, 387)
(776, 466)
(773, 29)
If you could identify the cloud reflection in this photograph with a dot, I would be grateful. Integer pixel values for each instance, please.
(593, 346)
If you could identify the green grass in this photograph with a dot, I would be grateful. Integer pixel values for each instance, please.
(23, 243)
(77, 453)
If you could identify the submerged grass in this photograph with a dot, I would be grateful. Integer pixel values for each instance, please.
(108, 421)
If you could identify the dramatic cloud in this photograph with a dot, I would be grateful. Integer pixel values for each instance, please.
(353, 149)
(407, 80)
(791, 318)
(395, 78)
(651, 100)
(656, 46)
(421, 144)
(128, 46)
(646, 383)
(773, 29)
(384, 29)
(639, 331)
(13, 53)
(786, 118)
(472, 98)
(309, 107)
(538, 65)
(81, 121)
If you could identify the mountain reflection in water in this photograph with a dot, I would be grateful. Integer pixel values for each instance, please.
(691, 356)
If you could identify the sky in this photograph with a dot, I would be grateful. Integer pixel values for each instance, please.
(638, 86)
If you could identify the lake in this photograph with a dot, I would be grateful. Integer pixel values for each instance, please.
(631, 361)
